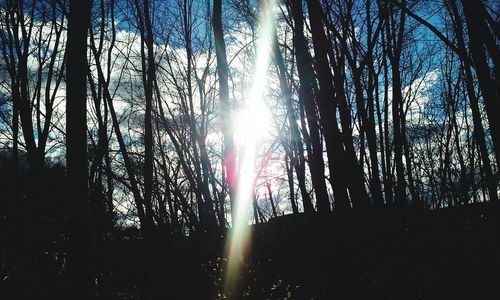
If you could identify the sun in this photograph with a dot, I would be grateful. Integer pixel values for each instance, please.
(253, 122)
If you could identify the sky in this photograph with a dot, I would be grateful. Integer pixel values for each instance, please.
(171, 58)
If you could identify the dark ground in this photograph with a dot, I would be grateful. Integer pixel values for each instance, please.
(451, 253)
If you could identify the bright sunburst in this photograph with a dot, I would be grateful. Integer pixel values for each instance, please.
(251, 125)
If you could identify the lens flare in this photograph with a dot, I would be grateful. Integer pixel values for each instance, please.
(252, 124)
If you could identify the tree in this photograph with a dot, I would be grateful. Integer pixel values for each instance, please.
(307, 97)
(79, 265)
(229, 153)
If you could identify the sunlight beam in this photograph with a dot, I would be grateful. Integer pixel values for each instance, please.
(251, 125)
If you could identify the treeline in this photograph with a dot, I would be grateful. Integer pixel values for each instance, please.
(375, 104)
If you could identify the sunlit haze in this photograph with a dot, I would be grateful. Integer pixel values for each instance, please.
(251, 124)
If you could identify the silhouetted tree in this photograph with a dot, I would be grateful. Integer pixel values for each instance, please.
(80, 262)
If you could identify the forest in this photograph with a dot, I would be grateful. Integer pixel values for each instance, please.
(249, 149)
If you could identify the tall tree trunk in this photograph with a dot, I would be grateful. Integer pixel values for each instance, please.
(298, 160)
(394, 31)
(389, 176)
(229, 153)
(337, 157)
(478, 133)
(306, 93)
(490, 87)
(371, 135)
(148, 75)
(79, 264)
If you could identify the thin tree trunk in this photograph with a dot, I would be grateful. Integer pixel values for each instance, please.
(270, 193)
